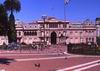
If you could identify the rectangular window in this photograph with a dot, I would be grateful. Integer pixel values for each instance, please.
(89, 38)
(30, 38)
(59, 25)
(19, 33)
(92, 39)
(80, 32)
(53, 25)
(46, 25)
(64, 25)
(86, 39)
(75, 31)
(42, 25)
(30, 33)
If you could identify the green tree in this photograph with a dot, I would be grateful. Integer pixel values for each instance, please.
(3, 21)
(12, 6)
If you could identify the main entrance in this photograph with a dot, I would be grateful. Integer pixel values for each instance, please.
(53, 38)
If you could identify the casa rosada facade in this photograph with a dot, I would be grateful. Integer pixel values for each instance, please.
(54, 31)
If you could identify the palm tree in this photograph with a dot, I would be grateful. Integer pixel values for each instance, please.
(3, 21)
(12, 6)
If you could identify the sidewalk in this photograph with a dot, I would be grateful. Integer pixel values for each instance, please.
(56, 49)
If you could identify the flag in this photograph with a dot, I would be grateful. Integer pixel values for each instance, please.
(66, 1)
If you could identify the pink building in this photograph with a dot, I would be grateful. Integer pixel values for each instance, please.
(56, 32)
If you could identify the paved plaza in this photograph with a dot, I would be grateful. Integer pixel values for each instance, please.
(47, 61)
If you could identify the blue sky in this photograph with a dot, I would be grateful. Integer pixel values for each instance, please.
(76, 10)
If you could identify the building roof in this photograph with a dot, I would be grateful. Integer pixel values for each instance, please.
(50, 20)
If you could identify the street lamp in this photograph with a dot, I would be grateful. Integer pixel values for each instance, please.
(44, 18)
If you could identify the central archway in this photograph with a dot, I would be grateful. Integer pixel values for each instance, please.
(53, 38)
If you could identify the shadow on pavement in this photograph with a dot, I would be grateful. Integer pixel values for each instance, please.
(6, 61)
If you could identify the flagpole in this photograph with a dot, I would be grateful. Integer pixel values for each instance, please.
(65, 23)
(65, 3)
(64, 11)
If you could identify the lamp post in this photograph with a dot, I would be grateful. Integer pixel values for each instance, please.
(44, 18)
